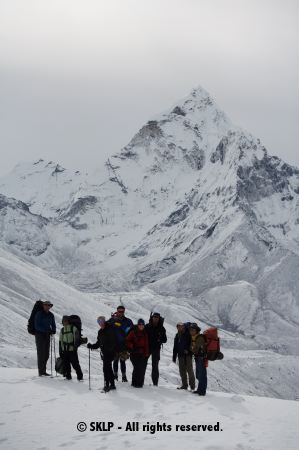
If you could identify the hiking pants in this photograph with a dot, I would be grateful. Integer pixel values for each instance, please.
(107, 368)
(139, 368)
(186, 367)
(122, 366)
(155, 354)
(42, 341)
(201, 375)
(71, 358)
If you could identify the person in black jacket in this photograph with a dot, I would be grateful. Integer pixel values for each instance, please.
(122, 325)
(157, 337)
(107, 343)
(181, 349)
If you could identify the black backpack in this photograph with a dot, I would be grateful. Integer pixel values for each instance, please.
(76, 321)
(38, 306)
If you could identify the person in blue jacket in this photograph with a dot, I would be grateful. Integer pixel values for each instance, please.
(122, 325)
(44, 324)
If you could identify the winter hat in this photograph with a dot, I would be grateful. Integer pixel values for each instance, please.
(156, 314)
(140, 322)
(101, 320)
(120, 307)
(194, 326)
(48, 303)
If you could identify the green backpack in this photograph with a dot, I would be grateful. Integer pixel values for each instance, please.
(67, 338)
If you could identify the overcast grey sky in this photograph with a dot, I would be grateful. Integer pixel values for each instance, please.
(79, 77)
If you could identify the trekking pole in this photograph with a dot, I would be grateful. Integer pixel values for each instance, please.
(89, 369)
(51, 340)
(55, 359)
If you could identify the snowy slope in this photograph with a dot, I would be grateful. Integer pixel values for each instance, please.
(246, 369)
(44, 413)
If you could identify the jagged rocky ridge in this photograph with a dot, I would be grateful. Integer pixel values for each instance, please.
(193, 207)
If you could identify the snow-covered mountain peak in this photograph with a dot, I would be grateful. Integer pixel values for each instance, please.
(191, 204)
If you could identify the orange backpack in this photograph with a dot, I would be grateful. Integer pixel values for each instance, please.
(213, 344)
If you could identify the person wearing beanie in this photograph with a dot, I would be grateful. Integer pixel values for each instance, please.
(157, 337)
(181, 350)
(138, 346)
(199, 350)
(122, 325)
(106, 341)
(69, 341)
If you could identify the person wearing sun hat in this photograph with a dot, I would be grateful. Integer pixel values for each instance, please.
(45, 326)
(138, 345)
(106, 341)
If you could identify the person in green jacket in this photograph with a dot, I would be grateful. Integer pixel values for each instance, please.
(69, 341)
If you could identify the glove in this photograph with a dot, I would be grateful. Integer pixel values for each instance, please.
(89, 345)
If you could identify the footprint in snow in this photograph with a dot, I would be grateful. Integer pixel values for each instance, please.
(14, 411)
(3, 440)
(49, 400)
(2, 423)
(237, 399)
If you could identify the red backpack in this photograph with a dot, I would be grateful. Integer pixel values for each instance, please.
(213, 344)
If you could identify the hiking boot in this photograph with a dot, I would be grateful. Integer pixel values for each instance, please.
(182, 387)
(124, 379)
(45, 374)
(115, 376)
(68, 377)
(112, 387)
(106, 388)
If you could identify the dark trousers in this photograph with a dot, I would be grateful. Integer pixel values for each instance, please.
(201, 375)
(122, 366)
(107, 368)
(71, 358)
(186, 367)
(139, 368)
(42, 341)
(155, 354)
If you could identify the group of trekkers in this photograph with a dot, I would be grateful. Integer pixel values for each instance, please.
(119, 340)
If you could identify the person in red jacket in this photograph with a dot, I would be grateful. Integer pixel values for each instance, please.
(138, 346)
